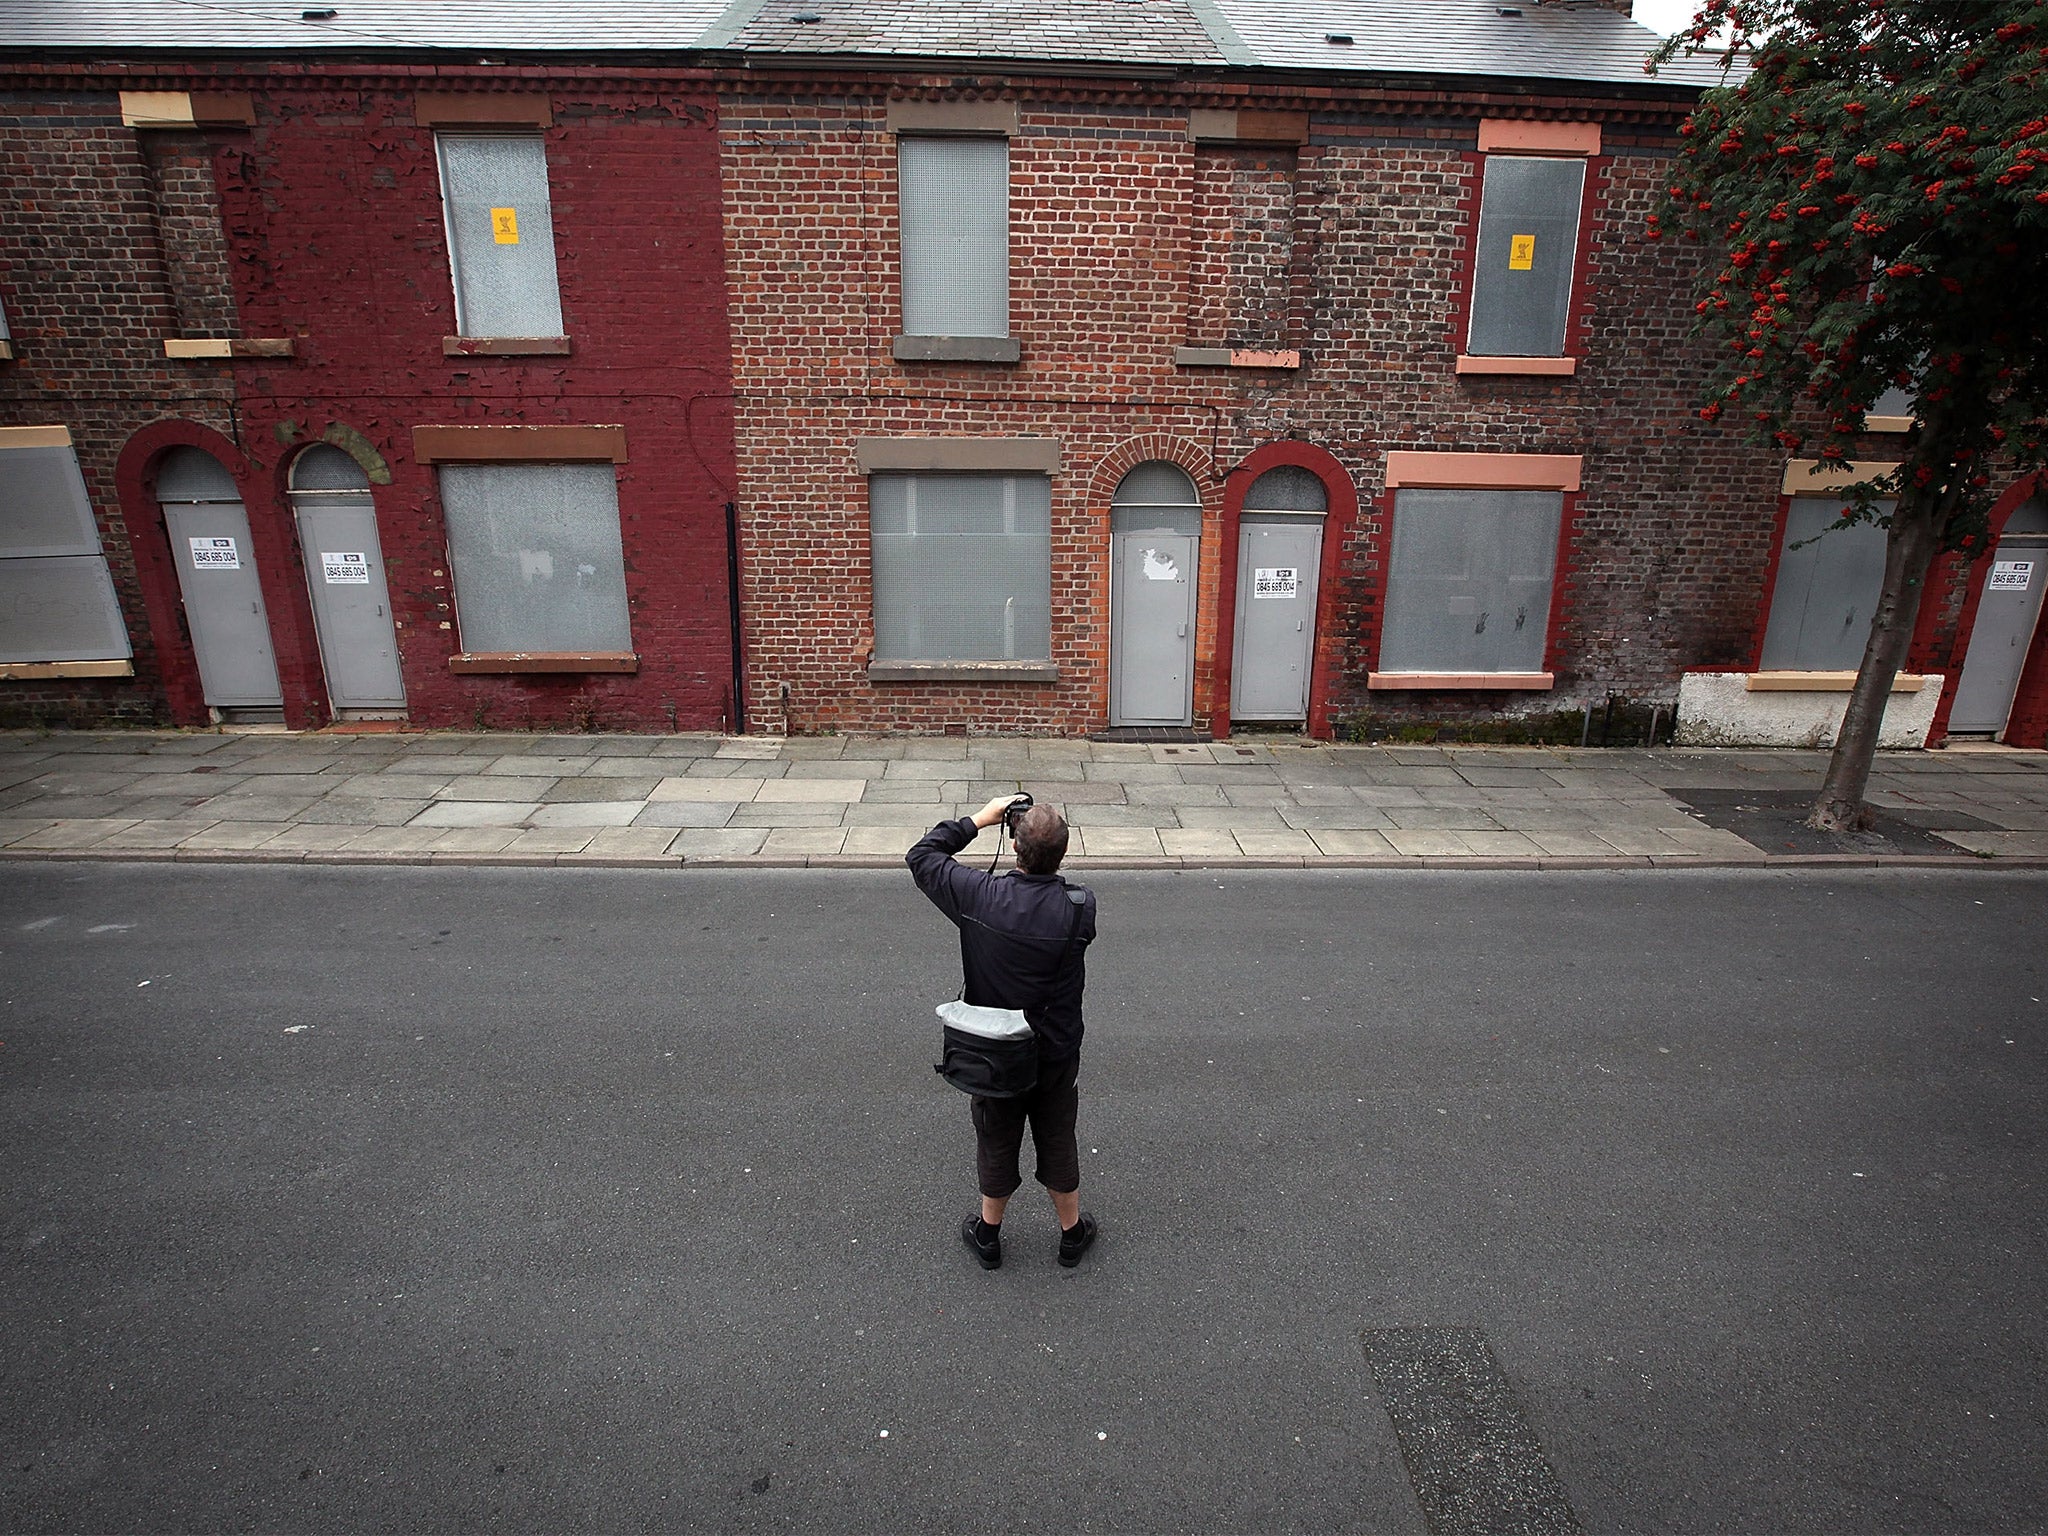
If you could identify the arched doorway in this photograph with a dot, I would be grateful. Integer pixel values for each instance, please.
(337, 521)
(1279, 558)
(1155, 545)
(2008, 611)
(219, 586)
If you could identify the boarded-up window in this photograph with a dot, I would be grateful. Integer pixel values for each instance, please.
(1827, 588)
(962, 567)
(1528, 239)
(538, 561)
(56, 599)
(501, 235)
(954, 209)
(1468, 580)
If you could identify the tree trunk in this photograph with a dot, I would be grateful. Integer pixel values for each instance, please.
(1910, 546)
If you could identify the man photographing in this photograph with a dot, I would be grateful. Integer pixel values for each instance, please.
(1023, 935)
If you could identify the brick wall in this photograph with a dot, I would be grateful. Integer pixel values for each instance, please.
(323, 224)
(87, 284)
(334, 218)
(1127, 240)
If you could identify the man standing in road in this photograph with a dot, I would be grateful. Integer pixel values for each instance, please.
(1022, 940)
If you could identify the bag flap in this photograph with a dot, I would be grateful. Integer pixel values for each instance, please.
(989, 1023)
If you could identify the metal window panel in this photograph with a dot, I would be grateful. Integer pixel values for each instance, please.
(1468, 580)
(43, 506)
(1156, 483)
(326, 468)
(1287, 488)
(537, 555)
(1827, 588)
(503, 287)
(954, 211)
(1521, 294)
(962, 567)
(192, 474)
(60, 608)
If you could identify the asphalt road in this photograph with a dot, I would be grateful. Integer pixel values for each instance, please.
(425, 1199)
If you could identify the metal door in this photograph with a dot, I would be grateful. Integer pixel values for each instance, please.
(2006, 616)
(1277, 561)
(351, 604)
(1152, 627)
(224, 604)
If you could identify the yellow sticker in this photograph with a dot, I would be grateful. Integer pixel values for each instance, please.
(1521, 252)
(505, 226)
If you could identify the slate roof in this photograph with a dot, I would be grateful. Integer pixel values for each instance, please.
(1557, 40)
(1108, 31)
(108, 27)
(1565, 40)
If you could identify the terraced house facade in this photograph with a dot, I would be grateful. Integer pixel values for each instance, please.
(1161, 365)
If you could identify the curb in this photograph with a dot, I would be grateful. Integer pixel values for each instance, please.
(344, 857)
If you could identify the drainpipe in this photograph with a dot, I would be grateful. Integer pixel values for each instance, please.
(732, 588)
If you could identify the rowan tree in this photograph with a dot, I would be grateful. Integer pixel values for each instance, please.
(1871, 181)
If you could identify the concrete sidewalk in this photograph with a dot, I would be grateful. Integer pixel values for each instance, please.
(446, 797)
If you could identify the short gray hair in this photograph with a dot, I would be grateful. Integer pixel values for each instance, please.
(1041, 840)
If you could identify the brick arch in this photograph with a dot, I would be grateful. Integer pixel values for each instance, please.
(1189, 456)
(1342, 497)
(1145, 448)
(273, 544)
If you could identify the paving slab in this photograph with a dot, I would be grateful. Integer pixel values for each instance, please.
(1346, 843)
(240, 835)
(729, 790)
(475, 813)
(882, 842)
(341, 810)
(494, 786)
(540, 840)
(146, 836)
(1096, 842)
(2035, 843)
(396, 840)
(804, 841)
(391, 786)
(805, 791)
(686, 813)
(809, 814)
(1198, 842)
(474, 840)
(588, 813)
(754, 769)
(1269, 845)
(716, 843)
(599, 787)
(302, 837)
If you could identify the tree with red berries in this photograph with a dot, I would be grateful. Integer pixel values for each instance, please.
(1871, 182)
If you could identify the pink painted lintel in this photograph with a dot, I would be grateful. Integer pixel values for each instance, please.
(1483, 471)
(1505, 135)
(1559, 366)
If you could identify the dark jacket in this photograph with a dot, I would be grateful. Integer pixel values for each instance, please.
(1013, 935)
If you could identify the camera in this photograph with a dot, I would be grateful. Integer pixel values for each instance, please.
(1013, 814)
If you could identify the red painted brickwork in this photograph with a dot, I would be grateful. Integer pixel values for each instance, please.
(87, 284)
(327, 228)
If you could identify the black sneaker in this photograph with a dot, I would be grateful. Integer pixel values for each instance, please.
(988, 1251)
(1076, 1240)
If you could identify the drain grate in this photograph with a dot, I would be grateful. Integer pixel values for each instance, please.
(1474, 1462)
